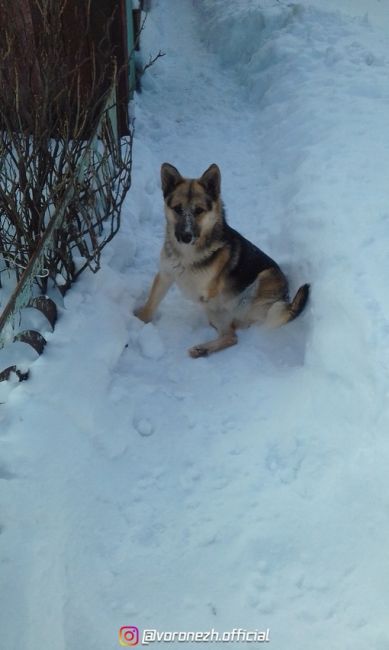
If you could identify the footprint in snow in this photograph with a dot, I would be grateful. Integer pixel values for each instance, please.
(143, 426)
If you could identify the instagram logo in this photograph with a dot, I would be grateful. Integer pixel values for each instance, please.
(129, 635)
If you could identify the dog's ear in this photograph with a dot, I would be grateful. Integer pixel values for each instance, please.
(170, 178)
(211, 180)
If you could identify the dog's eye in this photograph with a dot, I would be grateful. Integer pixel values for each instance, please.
(177, 209)
(198, 211)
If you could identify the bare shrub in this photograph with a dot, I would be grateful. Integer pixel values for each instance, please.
(60, 157)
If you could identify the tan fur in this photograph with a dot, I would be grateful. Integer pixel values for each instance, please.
(216, 276)
(203, 268)
(221, 343)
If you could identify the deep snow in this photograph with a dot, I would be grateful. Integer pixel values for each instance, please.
(249, 489)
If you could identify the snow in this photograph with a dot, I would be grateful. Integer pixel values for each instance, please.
(248, 489)
(150, 342)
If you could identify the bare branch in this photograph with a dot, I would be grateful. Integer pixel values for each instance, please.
(151, 61)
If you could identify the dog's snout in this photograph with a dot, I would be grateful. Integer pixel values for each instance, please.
(186, 230)
(186, 237)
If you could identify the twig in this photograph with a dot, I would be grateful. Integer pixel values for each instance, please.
(151, 61)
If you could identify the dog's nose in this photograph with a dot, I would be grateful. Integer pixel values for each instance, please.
(186, 237)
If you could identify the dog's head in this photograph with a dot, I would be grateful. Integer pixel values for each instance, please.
(192, 205)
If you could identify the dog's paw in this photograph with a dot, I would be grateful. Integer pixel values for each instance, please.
(142, 314)
(198, 351)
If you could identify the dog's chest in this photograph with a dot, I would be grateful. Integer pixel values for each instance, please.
(194, 282)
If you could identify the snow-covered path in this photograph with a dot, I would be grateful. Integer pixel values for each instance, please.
(250, 489)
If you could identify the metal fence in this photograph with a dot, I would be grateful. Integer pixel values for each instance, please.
(26, 293)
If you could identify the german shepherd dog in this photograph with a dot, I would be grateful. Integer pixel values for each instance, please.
(236, 283)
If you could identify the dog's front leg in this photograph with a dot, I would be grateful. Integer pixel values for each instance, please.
(160, 287)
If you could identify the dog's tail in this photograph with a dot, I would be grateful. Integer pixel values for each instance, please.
(299, 301)
(283, 312)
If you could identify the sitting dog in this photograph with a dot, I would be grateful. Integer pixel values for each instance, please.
(213, 264)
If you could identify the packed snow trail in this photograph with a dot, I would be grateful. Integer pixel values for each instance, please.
(247, 490)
